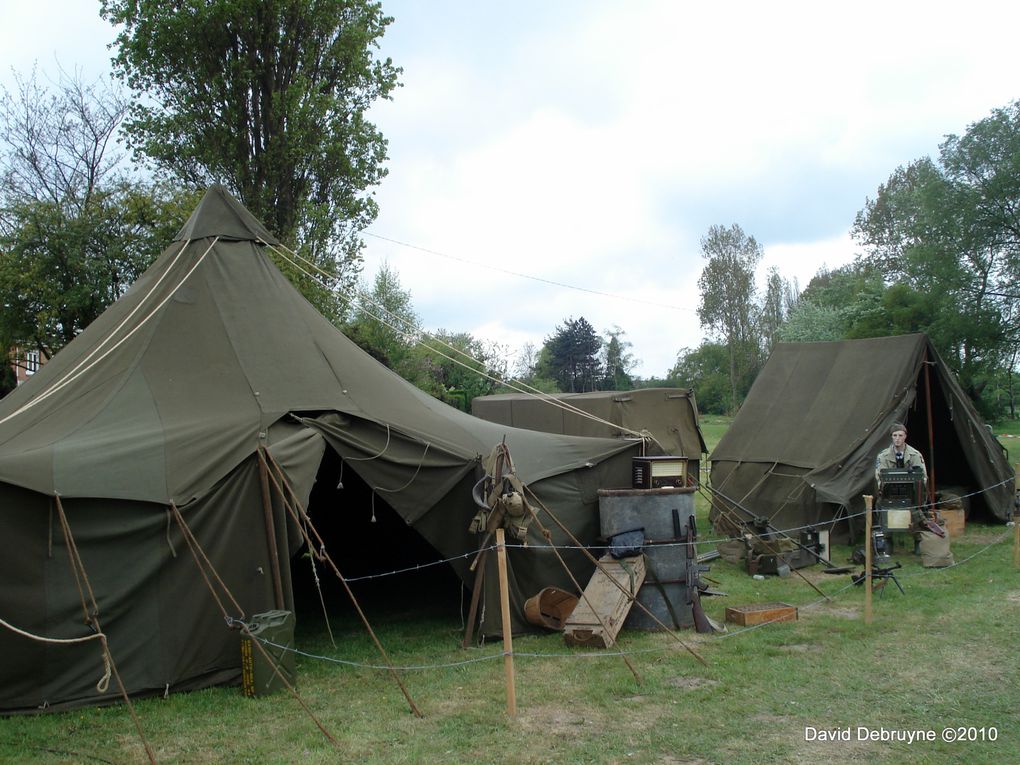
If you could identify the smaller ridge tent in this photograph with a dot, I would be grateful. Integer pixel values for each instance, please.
(171, 400)
(670, 415)
(802, 448)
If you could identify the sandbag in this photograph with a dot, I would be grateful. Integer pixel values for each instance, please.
(732, 551)
(935, 552)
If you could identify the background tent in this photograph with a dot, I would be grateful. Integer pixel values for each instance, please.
(802, 448)
(670, 415)
(167, 398)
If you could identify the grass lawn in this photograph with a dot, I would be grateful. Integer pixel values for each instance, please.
(940, 657)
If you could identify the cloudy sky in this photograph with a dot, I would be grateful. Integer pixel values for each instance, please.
(592, 144)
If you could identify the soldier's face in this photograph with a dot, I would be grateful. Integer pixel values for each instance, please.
(899, 438)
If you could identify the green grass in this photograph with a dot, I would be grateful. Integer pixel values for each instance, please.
(941, 655)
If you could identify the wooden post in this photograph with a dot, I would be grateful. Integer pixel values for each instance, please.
(1016, 517)
(508, 639)
(869, 502)
(1016, 539)
(267, 512)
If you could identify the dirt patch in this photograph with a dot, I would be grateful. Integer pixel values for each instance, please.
(691, 683)
(549, 719)
(1013, 597)
(669, 759)
(826, 751)
(982, 537)
(840, 613)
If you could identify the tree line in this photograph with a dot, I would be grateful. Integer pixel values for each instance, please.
(272, 100)
(939, 253)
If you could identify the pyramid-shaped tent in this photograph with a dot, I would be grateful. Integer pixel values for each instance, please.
(164, 401)
(802, 448)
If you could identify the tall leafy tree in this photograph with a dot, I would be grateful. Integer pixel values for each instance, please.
(618, 361)
(729, 297)
(76, 226)
(706, 370)
(384, 322)
(777, 303)
(455, 367)
(270, 98)
(572, 357)
(950, 230)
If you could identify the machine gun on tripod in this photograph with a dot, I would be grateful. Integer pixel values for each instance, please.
(882, 573)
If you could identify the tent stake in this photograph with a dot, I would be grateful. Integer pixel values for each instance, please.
(508, 637)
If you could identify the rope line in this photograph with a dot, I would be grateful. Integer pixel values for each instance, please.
(415, 337)
(69, 378)
(731, 633)
(528, 276)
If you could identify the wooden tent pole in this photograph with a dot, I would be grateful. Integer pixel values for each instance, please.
(92, 619)
(508, 637)
(299, 514)
(1016, 538)
(931, 429)
(869, 502)
(476, 594)
(267, 510)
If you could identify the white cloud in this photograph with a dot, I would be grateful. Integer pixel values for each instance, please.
(593, 143)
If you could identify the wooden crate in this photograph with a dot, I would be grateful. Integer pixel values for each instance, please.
(954, 522)
(600, 612)
(747, 616)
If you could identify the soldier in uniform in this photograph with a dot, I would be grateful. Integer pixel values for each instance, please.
(900, 454)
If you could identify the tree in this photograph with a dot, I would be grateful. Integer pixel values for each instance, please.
(950, 231)
(270, 98)
(706, 370)
(571, 357)
(618, 361)
(456, 367)
(728, 297)
(384, 323)
(779, 300)
(526, 369)
(76, 228)
(810, 322)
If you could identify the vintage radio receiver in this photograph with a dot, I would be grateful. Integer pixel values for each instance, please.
(900, 497)
(658, 472)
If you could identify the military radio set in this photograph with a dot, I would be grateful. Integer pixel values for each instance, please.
(899, 507)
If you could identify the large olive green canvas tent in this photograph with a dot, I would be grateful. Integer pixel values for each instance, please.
(802, 448)
(670, 415)
(165, 401)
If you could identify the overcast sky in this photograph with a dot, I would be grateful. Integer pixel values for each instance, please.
(593, 144)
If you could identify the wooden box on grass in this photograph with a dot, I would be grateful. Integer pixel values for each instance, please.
(601, 611)
(954, 522)
(748, 616)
